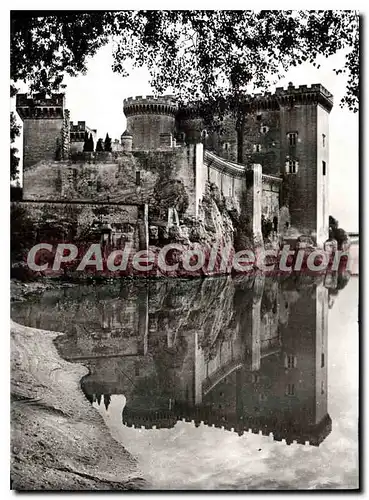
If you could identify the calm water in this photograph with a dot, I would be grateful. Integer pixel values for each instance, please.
(219, 383)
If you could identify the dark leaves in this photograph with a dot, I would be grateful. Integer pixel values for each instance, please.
(197, 54)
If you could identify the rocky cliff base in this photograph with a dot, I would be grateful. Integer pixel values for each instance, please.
(58, 441)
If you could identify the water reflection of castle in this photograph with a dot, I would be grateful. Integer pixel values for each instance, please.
(244, 354)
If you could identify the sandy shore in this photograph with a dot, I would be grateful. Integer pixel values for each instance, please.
(58, 441)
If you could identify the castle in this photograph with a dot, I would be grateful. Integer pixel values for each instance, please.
(156, 180)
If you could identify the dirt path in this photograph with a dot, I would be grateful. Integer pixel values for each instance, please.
(58, 441)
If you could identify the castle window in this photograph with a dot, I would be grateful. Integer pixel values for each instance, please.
(322, 360)
(183, 136)
(324, 165)
(292, 166)
(322, 390)
(290, 361)
(292, 138)
(323, 140)
(290, 390)
(258, 117)
(264, 129)
(257, 148)
(204, 134)
(138, 178)
(226, 146)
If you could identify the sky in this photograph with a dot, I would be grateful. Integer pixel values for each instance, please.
(97, 98)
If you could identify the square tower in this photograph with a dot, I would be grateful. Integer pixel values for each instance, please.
(304, 157)
(44, 121)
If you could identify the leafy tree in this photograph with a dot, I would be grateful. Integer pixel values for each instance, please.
(86, 144)
(107, 143)
(91, 143)
(45, 45)
(199, 54)
(14, 160)
(337, 233)
(99, 145)
(208, 58)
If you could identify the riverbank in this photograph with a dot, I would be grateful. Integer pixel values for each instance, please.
(58, 440)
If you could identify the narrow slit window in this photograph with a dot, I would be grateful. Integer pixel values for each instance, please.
(322, 360)
(138, 178)
(324, 165)
(290, 390)
(323, 140)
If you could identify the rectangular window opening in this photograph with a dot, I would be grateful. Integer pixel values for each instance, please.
(323, 140)
(292, 138)
(324, 165)
(290, 361)
(292, 166)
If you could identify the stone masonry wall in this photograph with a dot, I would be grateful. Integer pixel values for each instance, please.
(135, 178)
(41, 139)
(64, 221)
(146, 130)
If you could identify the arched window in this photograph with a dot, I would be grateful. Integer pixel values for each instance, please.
(204, 134)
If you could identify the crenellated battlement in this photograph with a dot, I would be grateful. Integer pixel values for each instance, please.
(281, 431)
(303, 89)
(40, 106)
(302, 94)
(162, 105)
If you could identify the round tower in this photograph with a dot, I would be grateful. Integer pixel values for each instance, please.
(149, 117)
(126, 141)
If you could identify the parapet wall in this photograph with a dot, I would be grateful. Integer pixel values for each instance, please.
(150, 105)
(39, 106)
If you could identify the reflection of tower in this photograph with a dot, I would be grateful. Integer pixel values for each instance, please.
(288, 395)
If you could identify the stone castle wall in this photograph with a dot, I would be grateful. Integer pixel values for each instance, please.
(62, 221)
(41, 140)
